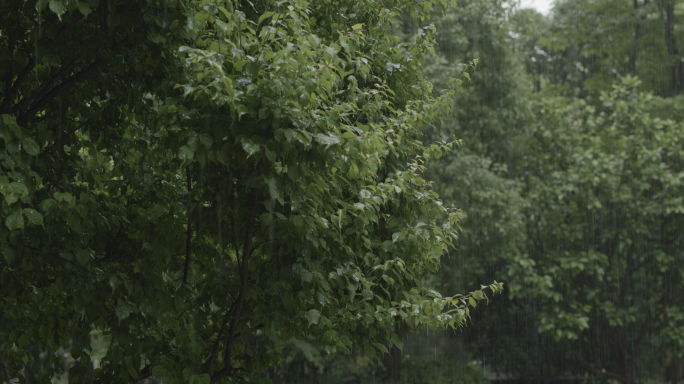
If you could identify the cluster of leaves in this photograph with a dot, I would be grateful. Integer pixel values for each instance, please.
(220, 170)
(585, 45)
(544, 196)
(604, 189)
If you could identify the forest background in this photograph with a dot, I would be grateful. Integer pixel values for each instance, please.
(570, 177)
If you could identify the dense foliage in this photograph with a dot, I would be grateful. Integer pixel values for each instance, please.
(182, 177)
(605, 206)
(570, 181)
(579, 207)
(224, 191)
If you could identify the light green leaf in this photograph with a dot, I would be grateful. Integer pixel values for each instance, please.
(41, 4)
(328, 139)
(185, 153)
(11, 198)
(15, 221)
(264, 16)
(58, 8)
(312, 316)
(250, 147)
(85, 9)
(30, 146)
(122, 311)
(33, 216)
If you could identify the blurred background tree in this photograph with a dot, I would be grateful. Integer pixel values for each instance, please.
(569, 177)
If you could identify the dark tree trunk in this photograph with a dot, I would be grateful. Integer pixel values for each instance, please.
(392, 360)
(638, 34)
(676, 68)
(674, 369)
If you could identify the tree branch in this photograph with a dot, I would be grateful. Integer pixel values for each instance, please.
(259, 245)
(83, 124)
(218, 338)
(31, 110)
(61, 258)
(47, 83)
(10, 74)
(227, 368)
(235, 243)
(32, 62)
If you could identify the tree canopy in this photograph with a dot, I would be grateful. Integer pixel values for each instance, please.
(181, 176)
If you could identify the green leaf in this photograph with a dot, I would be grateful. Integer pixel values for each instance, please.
(396, 340)
(83, 256)
(206, 140)
(250, 147)
(185, 153)
(328, 139)
(225, 12)
(306, 275)
(4, 185)
(380, 347)
(312, 316)
(58, 8)
(33, 216)
(41, 4)
(158, 371)
(30, 146)
(11, 198)
(47, 204)
(15, 221)
(84, 8)
(122, 311)
(264, 16)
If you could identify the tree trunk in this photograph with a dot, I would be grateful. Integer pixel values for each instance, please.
(676, 68)
(674, 369)
(392, 360)
(638, 34)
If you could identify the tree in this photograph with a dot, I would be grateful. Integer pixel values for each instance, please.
(71, 72)
(591, 43)
(604, 202)
(239, 169)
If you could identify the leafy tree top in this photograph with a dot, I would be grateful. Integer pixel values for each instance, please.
(228, 170)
